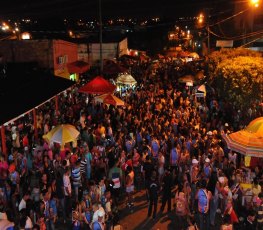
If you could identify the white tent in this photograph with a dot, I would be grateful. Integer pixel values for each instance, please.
(126, 79)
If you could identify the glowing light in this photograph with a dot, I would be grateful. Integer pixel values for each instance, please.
(201, 18)
(26, 36)
(255, 3)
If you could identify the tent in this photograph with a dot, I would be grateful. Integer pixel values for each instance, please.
(109, 99)
(126, 79)
(98, 85)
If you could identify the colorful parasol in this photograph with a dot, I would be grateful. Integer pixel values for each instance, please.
(62, 134)
(248, 141)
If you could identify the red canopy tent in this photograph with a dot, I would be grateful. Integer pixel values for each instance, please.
(98, 85)
(78, 67)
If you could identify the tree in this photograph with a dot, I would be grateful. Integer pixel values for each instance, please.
(237, 74)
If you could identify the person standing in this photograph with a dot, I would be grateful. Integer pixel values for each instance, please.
(259, 216)
(167, 190)
(181, 208)
(88, 157)
(67, 192)
(148, 168)
(203, 197)
(129, 185)
(76, 179)
(47, 210)
(153, 195)
(115, 175)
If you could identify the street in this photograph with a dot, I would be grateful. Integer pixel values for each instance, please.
(136, 219)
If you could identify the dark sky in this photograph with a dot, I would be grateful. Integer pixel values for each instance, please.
(110, 8)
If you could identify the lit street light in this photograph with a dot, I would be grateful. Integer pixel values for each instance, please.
(202, 20)
(255, 3)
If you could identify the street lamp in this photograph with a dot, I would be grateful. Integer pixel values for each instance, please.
(255, 3)
(201, 21)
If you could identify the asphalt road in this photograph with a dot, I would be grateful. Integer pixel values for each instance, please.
(137, 219)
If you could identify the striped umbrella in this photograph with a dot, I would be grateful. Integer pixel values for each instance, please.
(248, 141)
(62, 134)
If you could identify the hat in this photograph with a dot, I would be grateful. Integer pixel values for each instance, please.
(209, 133)
(194, 161)
(226, 124)
(12, 168)
(100, 213)
(207, 160)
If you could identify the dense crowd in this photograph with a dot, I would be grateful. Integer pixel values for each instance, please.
(165, 141)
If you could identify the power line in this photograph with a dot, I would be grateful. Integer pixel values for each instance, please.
(228, 18)
(238, 37)
(251, 41)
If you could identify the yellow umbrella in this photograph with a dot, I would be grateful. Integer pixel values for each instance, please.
(256, 126)
(62, 134)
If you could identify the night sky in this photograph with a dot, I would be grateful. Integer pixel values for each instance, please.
(110, 8)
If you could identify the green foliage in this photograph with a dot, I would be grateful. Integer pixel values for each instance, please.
(237, 74)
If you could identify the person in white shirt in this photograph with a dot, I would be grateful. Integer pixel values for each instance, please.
(98, 209)
(66, 182)
(23, 201)
(25, 221)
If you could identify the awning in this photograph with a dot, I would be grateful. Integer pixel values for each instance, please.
(78, 67)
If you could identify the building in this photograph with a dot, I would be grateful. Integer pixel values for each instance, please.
(53, 54)
(112, 47)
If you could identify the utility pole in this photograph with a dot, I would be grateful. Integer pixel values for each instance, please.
(208, 39)
(100, 22)
(208, 29)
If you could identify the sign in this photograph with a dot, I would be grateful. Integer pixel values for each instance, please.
(224, 43)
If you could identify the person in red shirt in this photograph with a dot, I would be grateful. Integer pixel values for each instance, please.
(25, 140)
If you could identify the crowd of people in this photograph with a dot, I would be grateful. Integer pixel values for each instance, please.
(164, 141)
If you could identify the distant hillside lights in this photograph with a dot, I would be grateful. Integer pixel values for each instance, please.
(5, 27)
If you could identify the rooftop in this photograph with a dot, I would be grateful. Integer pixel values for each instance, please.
(23, 86)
